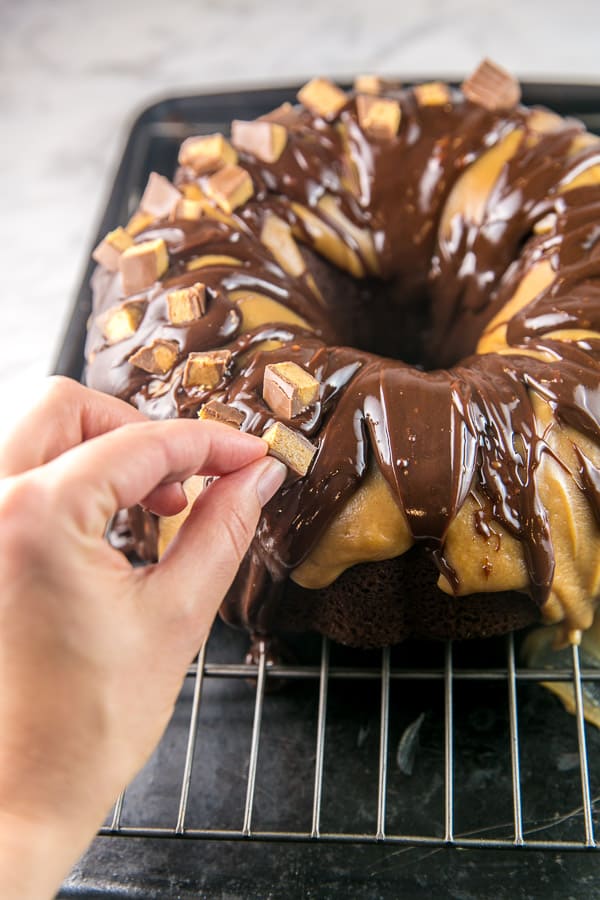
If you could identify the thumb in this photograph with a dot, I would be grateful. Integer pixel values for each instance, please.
(200, 564)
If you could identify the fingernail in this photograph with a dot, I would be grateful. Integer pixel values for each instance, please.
(271, 479)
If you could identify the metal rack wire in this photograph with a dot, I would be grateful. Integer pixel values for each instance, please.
(325, 674)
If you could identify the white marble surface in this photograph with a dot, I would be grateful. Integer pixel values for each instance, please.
(74, 72)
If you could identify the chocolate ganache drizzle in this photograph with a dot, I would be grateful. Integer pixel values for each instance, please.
(443, 223)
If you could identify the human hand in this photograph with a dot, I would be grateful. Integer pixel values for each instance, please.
(93, 651)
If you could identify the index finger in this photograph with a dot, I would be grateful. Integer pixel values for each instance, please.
(65, 415)
(119, 469)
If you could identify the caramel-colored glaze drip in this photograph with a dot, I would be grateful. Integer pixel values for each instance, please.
(491, 463)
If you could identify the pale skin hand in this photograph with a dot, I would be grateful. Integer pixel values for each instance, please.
(92, 651)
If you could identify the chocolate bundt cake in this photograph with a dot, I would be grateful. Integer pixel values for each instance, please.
(399, 289)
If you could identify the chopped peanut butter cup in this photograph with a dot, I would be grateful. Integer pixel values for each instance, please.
(206, 153)
(322, 97)
(187, 305)
(157, 358)
(160, 197)
(205, 370)
(215, 411)
(230, 187)
(109, 250)
(290, 447)
(123, 321)
(378, 116)
(492, 87)
(432, 93)
(288, 389)
(143, 264)
(264, 140)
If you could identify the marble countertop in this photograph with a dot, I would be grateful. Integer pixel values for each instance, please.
(73, 74)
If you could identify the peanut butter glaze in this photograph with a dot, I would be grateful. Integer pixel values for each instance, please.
(437, 436)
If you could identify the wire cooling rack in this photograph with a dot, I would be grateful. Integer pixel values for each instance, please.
(319, 681)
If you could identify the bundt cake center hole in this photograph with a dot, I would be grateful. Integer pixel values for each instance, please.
(394, 321)
(389, 318)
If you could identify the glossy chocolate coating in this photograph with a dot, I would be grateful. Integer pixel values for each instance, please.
(435, 435)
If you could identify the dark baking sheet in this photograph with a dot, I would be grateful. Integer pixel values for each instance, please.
(151, 868)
